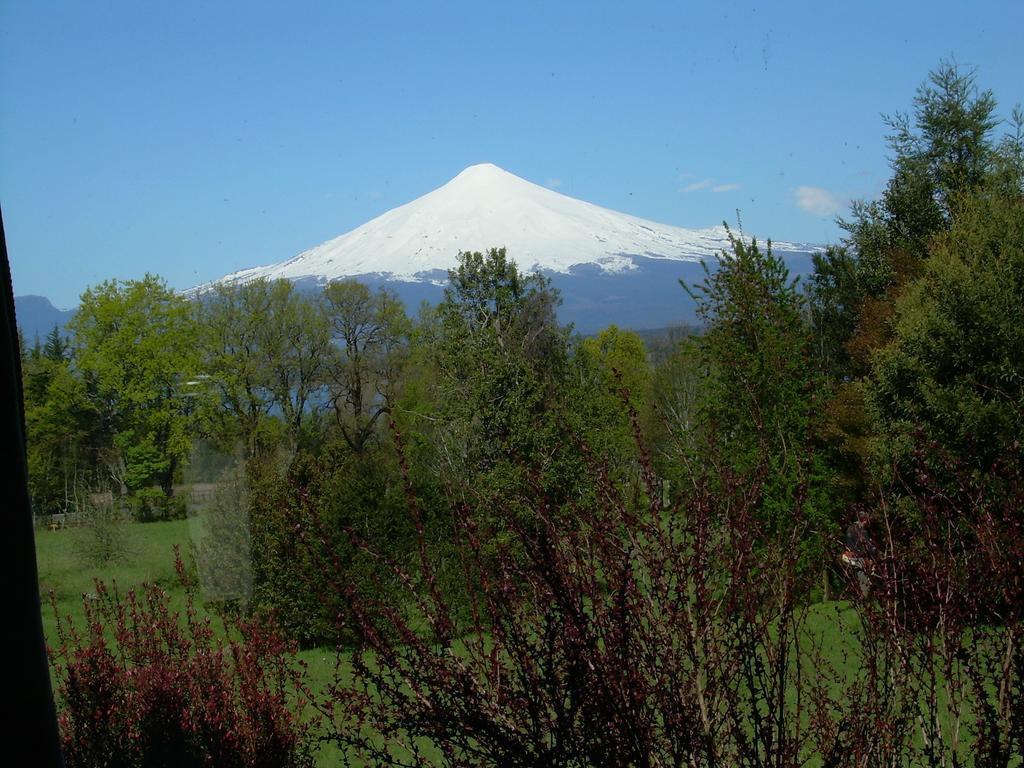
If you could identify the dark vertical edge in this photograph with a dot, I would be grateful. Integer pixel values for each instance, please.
(32, 719)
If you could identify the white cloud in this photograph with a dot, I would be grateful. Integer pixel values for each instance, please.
(696, 185)
(710, 184)
(817, 201)
(553, 183)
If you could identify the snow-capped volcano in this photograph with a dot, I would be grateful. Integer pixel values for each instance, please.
(485, 207)
(608, 267)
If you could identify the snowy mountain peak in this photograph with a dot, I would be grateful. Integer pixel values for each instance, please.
(483, 207)
(483, 171)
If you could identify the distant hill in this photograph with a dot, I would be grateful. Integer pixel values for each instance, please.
(37, 316)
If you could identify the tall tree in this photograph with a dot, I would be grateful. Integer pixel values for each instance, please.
(954, 368)
(672, 420)
(372, 332)
(64, 435)
(264, 350)
(942, 153)
(755, 348)
(298, 344)
(500, 356)
(135, 344)
(229, 323)
(759, 395)
(57, 346)
(609, 376)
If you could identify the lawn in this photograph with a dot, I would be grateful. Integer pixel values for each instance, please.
(147, 556)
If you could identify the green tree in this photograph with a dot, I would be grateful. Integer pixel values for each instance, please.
(620, 359)
(303, 521)
(948, 142)
(230, 336)
(755, 349)
(943, 151)
(609, 376)
(372, 332)
(834, 299)
(500, 359)
(64, 436)
(265, 348)
(298, 344)
(954, 368)
(135, 345)
(758, 400)
(57, 347)
(673, 419)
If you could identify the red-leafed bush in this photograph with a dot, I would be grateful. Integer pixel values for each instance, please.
(143, 685)
(613, 633)
(941, 631)
(608, 633)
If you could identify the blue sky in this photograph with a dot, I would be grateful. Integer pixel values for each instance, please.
(194, 139)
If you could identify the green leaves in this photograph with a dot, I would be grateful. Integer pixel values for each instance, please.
(136, 347)
(364, 375)
(62, 424)
(955, 365)
(500, 355)
(755, 347)
(758, 402)
(265, 347)
(914, 314)
(605, 370)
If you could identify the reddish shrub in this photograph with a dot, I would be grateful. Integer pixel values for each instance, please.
(941, 632)
(599, 634)
(616, 634)
(142, 685)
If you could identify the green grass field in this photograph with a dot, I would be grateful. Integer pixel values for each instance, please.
(147, 557)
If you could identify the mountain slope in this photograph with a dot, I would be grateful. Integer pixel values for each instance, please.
(609, 267)
(483, 207)
(37, 317)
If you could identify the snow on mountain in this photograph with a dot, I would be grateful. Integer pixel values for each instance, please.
(484, 207)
